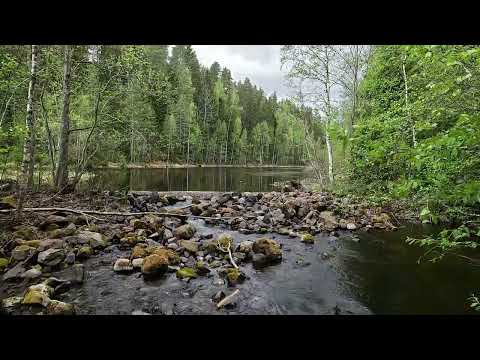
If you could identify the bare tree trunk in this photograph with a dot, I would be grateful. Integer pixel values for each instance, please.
(51, 144)
(61, 179)
(410, 120)
(330, 154)
(29, 146)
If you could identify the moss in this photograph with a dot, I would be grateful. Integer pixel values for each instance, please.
(84, 252)
(3, 263)
(8, 202)
(308, 238)
(139, 251)
(186, 273)
(234, 276)
(32, 243)
(24, 232)
(263, 230)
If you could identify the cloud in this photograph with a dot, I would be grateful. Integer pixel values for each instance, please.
(260, 63)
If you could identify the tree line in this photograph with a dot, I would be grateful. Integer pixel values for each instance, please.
(66, 109)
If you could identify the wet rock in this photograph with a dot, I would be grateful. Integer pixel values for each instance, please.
(186, 272)
(55, 307)
(292, 234)
(184, 232)
(51, 257)
(235, 276)
(10, 303)
(51, 244)
(240, 256)
(259, 261)
(38, 295)
(351, 226)
(189, 245)
(137, 263)
(84, 252)
(201, 268)
(70, 258)
(14, 273)
(171, 256)
(270, 248)
(122, 265)
(325, 256)
(155, 265)
(32, 274)
(308, 238)
(3, 264)
(22, 252)
(245, 246)
(78, 274)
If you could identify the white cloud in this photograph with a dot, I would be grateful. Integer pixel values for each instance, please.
(260, 63)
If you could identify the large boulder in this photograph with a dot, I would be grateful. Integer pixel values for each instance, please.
(154, 265)
(51, 257)
(184, 232)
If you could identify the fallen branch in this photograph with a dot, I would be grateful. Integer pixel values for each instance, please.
(228, 299)
(107, 213)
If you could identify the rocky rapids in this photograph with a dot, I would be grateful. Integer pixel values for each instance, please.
(213, 253)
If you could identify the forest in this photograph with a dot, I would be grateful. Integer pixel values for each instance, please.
(391, 126)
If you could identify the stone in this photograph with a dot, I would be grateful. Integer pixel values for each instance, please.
(14, 273)
(172, 246)
(259, 260)
(25, 232)
(31, 274)
(139, 312)
(51, 257)
(11, 302)
(95, 239)
(3, 264)
(171, 256)
(215, 264)
(167, 234)
(308, 238)
(70, 258)
(268, 247)
(155, 265)
(329, 220)
(78, 274)
(186, 272)
(189, 245)
(235, 276)
(351, 226)
(8, 202)
(137, 263)
(218, 282)
(140, 251)
(22, 252)
(245, 247)
(122, 265)
(56, 307)
(239, 256)
(38, 295)
(53, 220)
(138, 224)
(51, 244)
(84, 252)
(184, 232)
(201, 268)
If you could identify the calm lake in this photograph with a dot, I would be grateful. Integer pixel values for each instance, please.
(195, 179)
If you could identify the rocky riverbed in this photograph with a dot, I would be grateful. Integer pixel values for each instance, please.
(269, 246)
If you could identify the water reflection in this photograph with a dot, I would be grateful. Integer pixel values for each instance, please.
(195, 179)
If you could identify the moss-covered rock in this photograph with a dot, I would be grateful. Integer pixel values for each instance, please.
(8, 202)
(269, 248)
(308, 238)
(84, 252)
(154, 265)
(51, 257)
(235, 276)
(140, 251)
(184, 232)
(38, 295)
(171, 255)
(22, 252)
(3, 264)
(201, 268)
(186, 272)
(32, 243)
(25, 232)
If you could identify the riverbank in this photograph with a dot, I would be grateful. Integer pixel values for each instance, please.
(162, 165)
(219, 240)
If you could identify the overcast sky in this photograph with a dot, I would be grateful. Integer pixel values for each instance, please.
(260, 63)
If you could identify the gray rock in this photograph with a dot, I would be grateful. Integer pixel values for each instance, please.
(167, 234)
(51, 257)
(22, 252)
(70, 258)
(51, 244)
(137, 263)
(96, 240)
(172, 246)
(78, 274)
(31, 274)
(259, 260)
(184, 232)
(151, 242)
(351, 226)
